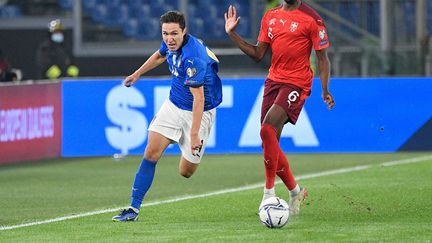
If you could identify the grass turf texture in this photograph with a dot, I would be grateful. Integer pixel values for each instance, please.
(378, 204)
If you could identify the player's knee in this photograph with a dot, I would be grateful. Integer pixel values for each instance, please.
(186, 173)
(152, 157)
(152, 153)
(187, 168)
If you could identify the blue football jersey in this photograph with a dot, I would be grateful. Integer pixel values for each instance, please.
(193, 65)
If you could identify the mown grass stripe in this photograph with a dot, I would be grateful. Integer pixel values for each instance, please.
(237, 189)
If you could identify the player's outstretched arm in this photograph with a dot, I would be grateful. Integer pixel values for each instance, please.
(197, 113)
(153, 61)
(256, 52)
(324, 72)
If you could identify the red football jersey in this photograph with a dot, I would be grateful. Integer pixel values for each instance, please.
(291, 35)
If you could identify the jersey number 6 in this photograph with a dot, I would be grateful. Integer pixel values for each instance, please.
(293, 97)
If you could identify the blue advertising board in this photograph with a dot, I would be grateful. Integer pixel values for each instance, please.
(102, 117)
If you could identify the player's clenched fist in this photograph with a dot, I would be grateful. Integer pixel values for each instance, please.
(196, 145)
(131, 79)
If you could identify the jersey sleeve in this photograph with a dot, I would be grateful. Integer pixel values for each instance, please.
(195, 72)
(263, 35)
(163, 49)
(319, 35)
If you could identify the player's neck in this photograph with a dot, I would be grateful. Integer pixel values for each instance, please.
(293, 6)
(185, 41)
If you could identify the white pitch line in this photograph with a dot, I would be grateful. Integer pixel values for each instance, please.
(237, 189)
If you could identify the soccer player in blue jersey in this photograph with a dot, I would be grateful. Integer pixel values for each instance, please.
(188, 115)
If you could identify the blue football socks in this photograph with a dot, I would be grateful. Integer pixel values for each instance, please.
(142, 182)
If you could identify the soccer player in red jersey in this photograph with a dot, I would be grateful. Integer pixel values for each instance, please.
(291, 31)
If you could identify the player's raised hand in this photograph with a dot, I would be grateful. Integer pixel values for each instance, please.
(131, 79)
(328, 99)
(231, 19)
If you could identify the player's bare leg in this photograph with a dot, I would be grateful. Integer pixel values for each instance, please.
(156, 145)
(187, 168)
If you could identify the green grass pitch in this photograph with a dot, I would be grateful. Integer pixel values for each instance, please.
(374, 204)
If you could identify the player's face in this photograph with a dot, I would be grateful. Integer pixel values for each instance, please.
(173, 35)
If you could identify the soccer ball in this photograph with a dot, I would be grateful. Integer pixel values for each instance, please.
(274, 212)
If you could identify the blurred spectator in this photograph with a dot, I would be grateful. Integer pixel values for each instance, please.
(8, 74)
(53, 59)
(272, 4)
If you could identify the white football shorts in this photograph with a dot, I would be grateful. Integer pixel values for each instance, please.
(176, 124)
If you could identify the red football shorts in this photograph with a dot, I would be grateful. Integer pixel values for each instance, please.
(288, 96)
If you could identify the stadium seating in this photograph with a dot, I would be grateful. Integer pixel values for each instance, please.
(159, 7)
(148, 28)
(351, 12)
(429, 17)
(66, 4)
(373, 12)
(130, 28)
(204, 16)
(141, 10)
(408, 11)
(88, 5)
(99, 13)
(196, 26)
(117, 16)
(209, 15)
(10, 11)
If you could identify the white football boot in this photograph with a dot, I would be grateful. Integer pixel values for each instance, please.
(295, 201)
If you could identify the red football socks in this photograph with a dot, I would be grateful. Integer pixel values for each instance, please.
(271, 149)
(284, 172)
(275, 161)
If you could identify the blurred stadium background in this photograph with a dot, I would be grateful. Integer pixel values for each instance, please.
(381, 55)
(110, 38)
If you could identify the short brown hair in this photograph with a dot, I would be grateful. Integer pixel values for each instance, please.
(173, 17)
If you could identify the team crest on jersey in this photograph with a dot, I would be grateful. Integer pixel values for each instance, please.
(323, 38)
(322, 34)
(190, 72)
(294, 26)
